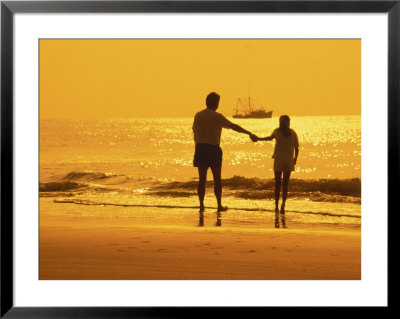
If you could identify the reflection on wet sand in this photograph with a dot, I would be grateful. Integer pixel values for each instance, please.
(280, 219)
(280, 222)
(201, 219)
(218, 223)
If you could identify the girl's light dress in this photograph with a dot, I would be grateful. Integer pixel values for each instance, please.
(284, 150)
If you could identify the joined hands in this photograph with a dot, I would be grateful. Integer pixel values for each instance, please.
(254, 138)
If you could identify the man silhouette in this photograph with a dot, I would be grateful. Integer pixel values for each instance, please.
(207, 127)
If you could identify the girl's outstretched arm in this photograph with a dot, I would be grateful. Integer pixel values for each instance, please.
(268, 138)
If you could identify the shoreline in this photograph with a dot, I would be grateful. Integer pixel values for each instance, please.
(75, 247)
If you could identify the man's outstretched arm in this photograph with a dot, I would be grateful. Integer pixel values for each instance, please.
(240, 129)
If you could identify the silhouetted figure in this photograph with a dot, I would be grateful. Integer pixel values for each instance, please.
(285, 158)
(207, 127)
(201, 219)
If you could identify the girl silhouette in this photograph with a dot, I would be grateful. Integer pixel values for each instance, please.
(285, 158)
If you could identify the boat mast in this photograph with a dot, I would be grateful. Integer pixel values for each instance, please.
(249, 105)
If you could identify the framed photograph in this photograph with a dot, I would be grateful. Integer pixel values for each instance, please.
(166, 158)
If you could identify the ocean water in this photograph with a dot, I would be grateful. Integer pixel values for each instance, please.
(146, 163)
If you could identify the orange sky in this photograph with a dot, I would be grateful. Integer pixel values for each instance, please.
(171, 78)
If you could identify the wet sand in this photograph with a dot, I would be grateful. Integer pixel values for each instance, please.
(84, 248)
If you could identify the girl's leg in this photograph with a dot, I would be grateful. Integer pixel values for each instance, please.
(285, 186)
(278, 177)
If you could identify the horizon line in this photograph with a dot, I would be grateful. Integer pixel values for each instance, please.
(188, 116)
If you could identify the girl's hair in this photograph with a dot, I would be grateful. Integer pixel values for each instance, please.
(284, 123)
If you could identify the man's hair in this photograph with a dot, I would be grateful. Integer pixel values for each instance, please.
(212, 100)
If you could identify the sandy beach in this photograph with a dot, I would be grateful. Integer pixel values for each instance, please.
(75, 247)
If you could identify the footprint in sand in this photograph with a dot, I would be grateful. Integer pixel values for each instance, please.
(207, 244)
(162, 249)
(252, 251)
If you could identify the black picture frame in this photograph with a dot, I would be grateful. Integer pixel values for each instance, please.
(9, 8)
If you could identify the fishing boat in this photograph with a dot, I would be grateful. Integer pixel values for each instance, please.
(248, 112)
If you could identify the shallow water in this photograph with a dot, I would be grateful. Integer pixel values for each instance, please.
(132, 163)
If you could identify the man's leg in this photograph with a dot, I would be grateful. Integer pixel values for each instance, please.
(201, 187)
(216, 171)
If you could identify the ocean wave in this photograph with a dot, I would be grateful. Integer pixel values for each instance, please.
(68, 188)
(320, 197)
(315, 197)
(172, 194)
(61, 186)
(343, 187)
(318, 190)
(91, 176)
(261, 187)
(85, 180)
(87, 175)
